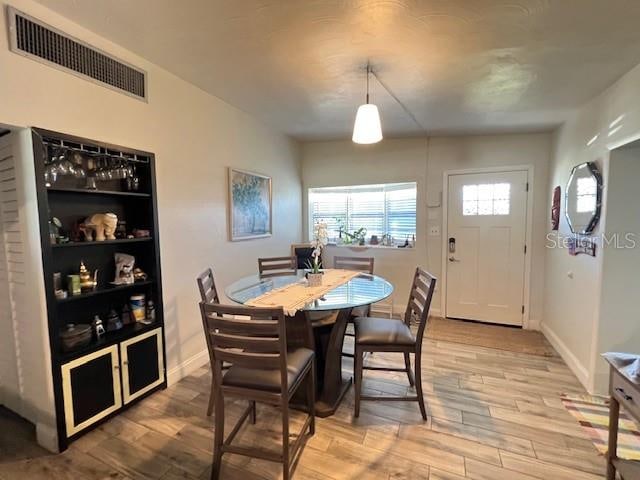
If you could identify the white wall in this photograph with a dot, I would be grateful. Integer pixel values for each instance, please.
(195, 136)
(572, 284)
(398, 160)
(619, 329)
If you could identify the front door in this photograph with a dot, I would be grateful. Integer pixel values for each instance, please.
(486, 246)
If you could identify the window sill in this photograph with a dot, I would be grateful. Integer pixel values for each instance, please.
(358, 248)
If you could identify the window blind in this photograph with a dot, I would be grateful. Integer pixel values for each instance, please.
(381, 209)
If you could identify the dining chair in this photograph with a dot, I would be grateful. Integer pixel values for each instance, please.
(262, 370)
(304, 254)
(277, 266)
(360, 264)
(385, 335)
(207, 287)
(209, 294)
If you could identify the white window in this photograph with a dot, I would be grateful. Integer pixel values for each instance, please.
(486, 199)
(380, 209)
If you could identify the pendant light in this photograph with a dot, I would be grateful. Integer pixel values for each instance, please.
(366, 128)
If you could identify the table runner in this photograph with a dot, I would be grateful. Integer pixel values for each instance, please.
(295, 296)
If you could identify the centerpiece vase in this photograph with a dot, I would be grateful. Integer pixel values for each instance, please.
(314, 279)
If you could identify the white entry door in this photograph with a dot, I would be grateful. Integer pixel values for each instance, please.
(486, 246)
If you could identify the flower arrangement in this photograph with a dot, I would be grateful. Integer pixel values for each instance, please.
(319, 241)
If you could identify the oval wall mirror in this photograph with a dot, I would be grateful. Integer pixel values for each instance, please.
(583, 198)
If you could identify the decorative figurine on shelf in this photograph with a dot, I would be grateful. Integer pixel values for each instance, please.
(98, 327)
(139, 275)
(102, 224)
(124, 269)
(87, 281)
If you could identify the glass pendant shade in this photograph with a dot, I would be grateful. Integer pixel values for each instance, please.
(367, 128)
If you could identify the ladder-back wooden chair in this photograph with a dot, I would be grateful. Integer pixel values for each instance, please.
(207, 287)
(277, 266)
(262, 370)
(209, 294)
(360, 264)
(386, 335)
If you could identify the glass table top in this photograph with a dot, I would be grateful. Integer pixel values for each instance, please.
(361, 290)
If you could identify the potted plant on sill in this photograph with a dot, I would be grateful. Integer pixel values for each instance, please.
(320, 240)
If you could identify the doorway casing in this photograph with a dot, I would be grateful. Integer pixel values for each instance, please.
(526, 298)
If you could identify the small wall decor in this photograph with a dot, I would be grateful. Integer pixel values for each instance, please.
(555, 209)
(579, 244)
(249, 205)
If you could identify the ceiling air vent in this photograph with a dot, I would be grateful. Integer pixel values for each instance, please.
(37, 40)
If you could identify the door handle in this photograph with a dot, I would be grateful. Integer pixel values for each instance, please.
(453, 259)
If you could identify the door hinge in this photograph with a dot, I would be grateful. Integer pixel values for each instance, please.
(523, 309)
(527, 187)
(525, 249)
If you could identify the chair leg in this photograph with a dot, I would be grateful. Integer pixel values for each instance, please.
(357, 367)
(253, 412)
(218, 438)
(418, 362)
(212, 398)
(407, 365)
(285, 439)
(311, 397)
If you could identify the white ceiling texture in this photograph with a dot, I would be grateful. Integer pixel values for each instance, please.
(461, 66)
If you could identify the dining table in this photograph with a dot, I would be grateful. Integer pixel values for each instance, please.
(319, 324)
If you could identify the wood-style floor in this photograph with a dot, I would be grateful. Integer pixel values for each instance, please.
(493, 415)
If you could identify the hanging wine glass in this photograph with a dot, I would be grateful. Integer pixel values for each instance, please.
(79, 171)
(65, 167)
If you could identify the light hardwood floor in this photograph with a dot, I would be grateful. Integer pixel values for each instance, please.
(493, 415)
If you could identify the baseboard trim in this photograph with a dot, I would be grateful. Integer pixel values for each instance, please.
(567, 355)
(187, 367)
(47, 437)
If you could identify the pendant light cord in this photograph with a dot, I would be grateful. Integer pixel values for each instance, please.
(368, 71)
(395, 97)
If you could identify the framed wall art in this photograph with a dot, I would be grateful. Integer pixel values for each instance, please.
(249, 205)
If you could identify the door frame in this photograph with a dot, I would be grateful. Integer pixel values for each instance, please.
(526, 297)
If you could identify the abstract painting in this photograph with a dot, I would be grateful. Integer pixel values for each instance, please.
(250, 205)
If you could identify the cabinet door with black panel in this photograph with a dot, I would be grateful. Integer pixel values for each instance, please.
(142, 364)
(91, 388)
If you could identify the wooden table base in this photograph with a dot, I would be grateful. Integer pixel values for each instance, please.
(325, 337)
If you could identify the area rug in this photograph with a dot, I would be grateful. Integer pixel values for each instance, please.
(592, 413)
(490, 336)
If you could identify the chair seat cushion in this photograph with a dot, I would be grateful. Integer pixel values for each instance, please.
(382, 331)
(269, 380)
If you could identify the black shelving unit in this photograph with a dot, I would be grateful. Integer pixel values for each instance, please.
(86, 191)
(105, 291)
(95, 382)
(101, 244)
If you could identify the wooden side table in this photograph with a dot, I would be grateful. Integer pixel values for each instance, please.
(626, 393)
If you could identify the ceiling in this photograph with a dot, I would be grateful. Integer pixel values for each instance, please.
(460, 66)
